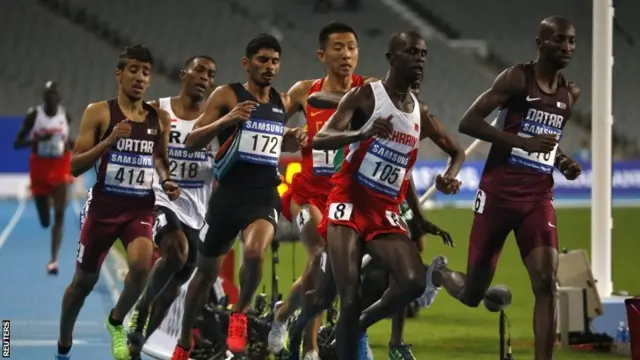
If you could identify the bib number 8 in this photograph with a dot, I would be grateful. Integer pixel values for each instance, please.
(340, 211)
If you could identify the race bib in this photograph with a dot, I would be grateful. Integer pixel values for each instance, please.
(53, 147)
(260, 141)
(190, 170)
(540, 162)
(323, 162)
(129, 174)
(383, 169)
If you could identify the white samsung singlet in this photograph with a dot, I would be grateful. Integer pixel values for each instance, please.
(56, 125)
(192, 171)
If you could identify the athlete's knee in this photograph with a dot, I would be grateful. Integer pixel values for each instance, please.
(175, 249)
(82, 283)
(207, 269)
(254, 251)
(544, 283)
(413, 286)
(58, 217)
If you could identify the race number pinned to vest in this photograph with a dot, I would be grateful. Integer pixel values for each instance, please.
(383, 169)
(260, 141)
(323, 162)
(190, 170)
(129, 174)
(540, 162)
(52, 148)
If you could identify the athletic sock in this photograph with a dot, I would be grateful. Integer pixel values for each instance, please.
(114, 322)
(63, 350)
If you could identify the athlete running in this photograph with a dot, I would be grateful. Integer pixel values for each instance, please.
(515, 192)
(376, 279)
(304, 202)
(46, 130)
(248, 120)
(381, 124)
(125, 139)
(178, 223)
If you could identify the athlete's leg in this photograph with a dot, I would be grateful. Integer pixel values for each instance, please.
(161, 305)
(491, 226)
(59, 197)
(401, 258)
(43, 207)
(538, 242)
(94, 242)
(174, 249)
(397, 327)
(308, 220)
(345, 252)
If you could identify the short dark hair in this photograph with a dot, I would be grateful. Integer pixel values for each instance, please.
(191, 59)
(331, 28)
(262, 41)
(137, 52)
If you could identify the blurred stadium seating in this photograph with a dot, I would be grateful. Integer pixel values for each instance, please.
(76, 43)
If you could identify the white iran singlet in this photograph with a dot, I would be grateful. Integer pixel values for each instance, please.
(55, 125)
(192, 171)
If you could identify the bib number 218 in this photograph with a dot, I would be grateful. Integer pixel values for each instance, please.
(340, 211)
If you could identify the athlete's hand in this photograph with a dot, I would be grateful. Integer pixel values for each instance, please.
(570, 168)
(121, 130)
(301, 136)
(541, 143)
(172, 190)
(430, 228)
(242, 111)
(447, 184)
(381, 127)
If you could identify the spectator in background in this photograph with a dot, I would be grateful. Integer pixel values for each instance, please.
(583, 153)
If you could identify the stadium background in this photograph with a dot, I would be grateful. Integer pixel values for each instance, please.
(76, 43)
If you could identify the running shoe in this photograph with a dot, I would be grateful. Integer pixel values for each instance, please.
(431, 291)
(119, 348)
(237, 333)
(62, 357)
(401, 352)
(277, 334)
(311, 355)
(180, 353)
(364, 350)
(52, 268)
(133, 323)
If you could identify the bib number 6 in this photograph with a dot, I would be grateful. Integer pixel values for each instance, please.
(478, 204)
(340, 211)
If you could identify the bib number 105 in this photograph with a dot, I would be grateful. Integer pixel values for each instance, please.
(386, 172)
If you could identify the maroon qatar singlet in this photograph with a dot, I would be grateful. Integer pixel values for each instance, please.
(125, 173)
(512, 173)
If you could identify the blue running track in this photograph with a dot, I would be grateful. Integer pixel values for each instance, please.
(31, 299)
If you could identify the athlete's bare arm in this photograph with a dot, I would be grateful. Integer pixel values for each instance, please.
(162, 153)
(431, 127)
(220, 112)
(568, 166)
(335, 133)
(22, 138)
(510, 82)
(86, 152)
(574, 95)
(295, 99)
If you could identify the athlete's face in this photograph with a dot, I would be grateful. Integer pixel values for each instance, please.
(263, 66)
(340, 55)
(410, 58)
(199, 78)
(557, 44)
(134, 78)
(51, 98)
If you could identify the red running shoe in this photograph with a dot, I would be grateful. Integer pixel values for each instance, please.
(237, 333)
(180, 353)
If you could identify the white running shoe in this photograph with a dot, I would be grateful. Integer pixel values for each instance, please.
(311, 355)
(277, 334)
(431, 291)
